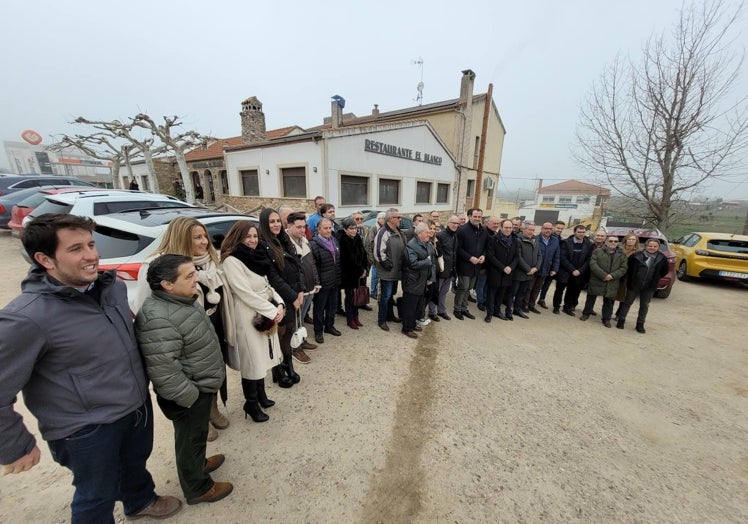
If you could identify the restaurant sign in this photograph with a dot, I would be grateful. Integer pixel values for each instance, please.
(372, 146)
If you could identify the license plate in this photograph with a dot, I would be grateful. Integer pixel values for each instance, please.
(732, 274)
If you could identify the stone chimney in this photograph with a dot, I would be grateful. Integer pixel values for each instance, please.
(375, 111)
(336, 113)
(466, 86)
(253, 121)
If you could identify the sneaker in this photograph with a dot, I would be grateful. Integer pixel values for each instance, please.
(423, 321)
(301, 357)
(473, 295)
(161, 508)
(217, 492)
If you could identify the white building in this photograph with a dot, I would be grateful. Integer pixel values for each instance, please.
(572, 201)
(37, 159)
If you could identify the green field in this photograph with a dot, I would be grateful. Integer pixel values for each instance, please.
(730, 220)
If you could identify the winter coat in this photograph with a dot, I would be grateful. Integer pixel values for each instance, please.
(448, 249)
(328, 268)
(601, 265)
(252, 294)
(289, 281)
(471, 242)
(353, 260)
(73, 355)
(637, 277)
(499, 256)
(528, 257)
(310, 278)
(420, 266)
(180, 347)
(571, 261)
(551, 255)
(389, 248)
(371, 234)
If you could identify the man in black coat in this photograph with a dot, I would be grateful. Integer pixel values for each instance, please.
(645, 270)
(446, 243)
(574, 271)
(471, 244)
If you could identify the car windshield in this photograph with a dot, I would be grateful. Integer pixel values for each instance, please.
(52, 206)
(726, 244)
(115, 243)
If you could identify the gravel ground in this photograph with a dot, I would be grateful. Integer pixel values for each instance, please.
(540, 420)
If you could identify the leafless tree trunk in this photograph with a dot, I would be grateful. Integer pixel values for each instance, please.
(657, 128)
(99, 146)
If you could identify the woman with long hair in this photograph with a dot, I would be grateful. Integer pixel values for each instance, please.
(285, 277)
(186, 236)
(256, 347)
(630, 245)
(353, 265)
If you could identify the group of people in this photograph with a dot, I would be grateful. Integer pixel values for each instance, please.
(85, 375)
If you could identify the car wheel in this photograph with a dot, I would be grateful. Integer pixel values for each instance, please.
(683, 272)
(664, 293)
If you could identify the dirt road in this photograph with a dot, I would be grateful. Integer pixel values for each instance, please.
(541, 420)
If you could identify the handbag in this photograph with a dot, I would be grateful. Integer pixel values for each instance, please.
(360, 295)
(440, 262)
(264, 324)
(300, 333)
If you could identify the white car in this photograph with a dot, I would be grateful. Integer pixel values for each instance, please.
(95, 203)
(124, 240)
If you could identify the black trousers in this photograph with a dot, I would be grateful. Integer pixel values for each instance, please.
(573, 288)
(589, 306)
(190, 442)
(495, 297)
(644, 296)
(411, 309)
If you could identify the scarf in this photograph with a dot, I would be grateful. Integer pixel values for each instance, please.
(256, 260)
(329, 244)
(506, 240)
(209, 276)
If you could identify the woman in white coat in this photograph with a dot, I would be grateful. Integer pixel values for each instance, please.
(257, 311)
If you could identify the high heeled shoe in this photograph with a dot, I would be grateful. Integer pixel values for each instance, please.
(262, 397)
(280, 377)
(287, 367)
(251, 405)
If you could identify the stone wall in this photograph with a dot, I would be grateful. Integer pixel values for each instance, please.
(249, 204)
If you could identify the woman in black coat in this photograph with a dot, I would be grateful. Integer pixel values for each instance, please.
(354, 265)
(501, 260)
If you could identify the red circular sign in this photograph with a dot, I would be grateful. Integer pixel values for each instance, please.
(32, 137)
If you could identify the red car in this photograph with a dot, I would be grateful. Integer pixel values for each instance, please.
(666, 283)
(26, 206)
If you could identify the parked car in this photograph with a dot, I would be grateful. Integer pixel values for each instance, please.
(34, 197)
(124, 240)
(13, 183)
(7, 202)
(405, 222)
(718, 256)
(95, 203)
(665, 285)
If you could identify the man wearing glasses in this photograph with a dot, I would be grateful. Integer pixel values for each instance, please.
(608, 265)
(389, 250)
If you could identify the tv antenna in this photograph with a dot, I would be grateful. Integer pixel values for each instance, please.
(419, 87)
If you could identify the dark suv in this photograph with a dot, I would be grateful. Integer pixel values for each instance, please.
(12, 183)
(666, 283)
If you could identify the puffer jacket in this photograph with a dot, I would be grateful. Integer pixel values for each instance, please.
(180, 347)
(420, 268)
(601, 265)
(389, 245)
(328, 268)
(448, 250)
(528, 257)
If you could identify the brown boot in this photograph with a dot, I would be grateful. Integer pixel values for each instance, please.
(161, 508)
(217, 418)
(212, 433)
(217, 492)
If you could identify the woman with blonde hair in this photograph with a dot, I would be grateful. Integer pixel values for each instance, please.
(630, 245)
(187, 236)
(257, 310)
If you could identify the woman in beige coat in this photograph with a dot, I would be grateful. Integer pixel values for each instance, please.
(256, 348)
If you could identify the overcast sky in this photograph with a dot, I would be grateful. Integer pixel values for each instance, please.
(198, 59)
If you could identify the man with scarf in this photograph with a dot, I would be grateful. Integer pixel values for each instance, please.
(501, 261)
(297, 233)
(645, 269)
(326, 253)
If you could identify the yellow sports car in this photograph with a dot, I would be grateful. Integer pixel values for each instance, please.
(720, 256)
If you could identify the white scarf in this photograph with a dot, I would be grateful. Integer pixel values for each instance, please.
(209, 276)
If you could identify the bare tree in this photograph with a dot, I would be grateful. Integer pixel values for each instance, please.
(99, 146)
(179, 144)
(657, 128)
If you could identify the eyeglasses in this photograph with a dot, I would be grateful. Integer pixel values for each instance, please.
(359, 219)
(612, 241)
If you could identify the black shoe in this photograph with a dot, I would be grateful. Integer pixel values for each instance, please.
(434, 318)
(253, 410)
(471, 299)
(606, 323)
(569, 312)
(458, 315)
(394, 319)
(319, 339)
(533, 309)
(487, 319)
(308, 319)
(334, 332)
(508, 316)
(468, 314)
(384, 326)
(287, 367)
(445, 316)
(482, 307)
(262, 396)
(520, 313)
(640, 328)
(556, 311)
(593, 314)
(584, 317)
(281, 378)
(340, 312)
(367, 307)
(620, 324)
(542, 304)
(499, 315)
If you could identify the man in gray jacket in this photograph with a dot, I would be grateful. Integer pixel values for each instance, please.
(67, 342)
(389, 253)
(183, 360)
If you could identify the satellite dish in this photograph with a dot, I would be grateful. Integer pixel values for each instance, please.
(420, 87)
(32, 137)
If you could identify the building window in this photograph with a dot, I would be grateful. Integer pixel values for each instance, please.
(476, 153)
(564, 200)
(549, 199)
(442, 193)
(224, 182)
(389, 191)
(470, 189)
(250, 182)
(423, 192)
(354, 190)
(294, 182)
(583, 199)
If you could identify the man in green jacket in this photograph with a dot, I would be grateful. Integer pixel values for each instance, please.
(183, 360)
(608, 265)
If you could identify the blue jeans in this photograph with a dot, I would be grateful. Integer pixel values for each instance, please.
(480, 288)
(325, 305)
(387, 288)
(108, 464)
(374, 281)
